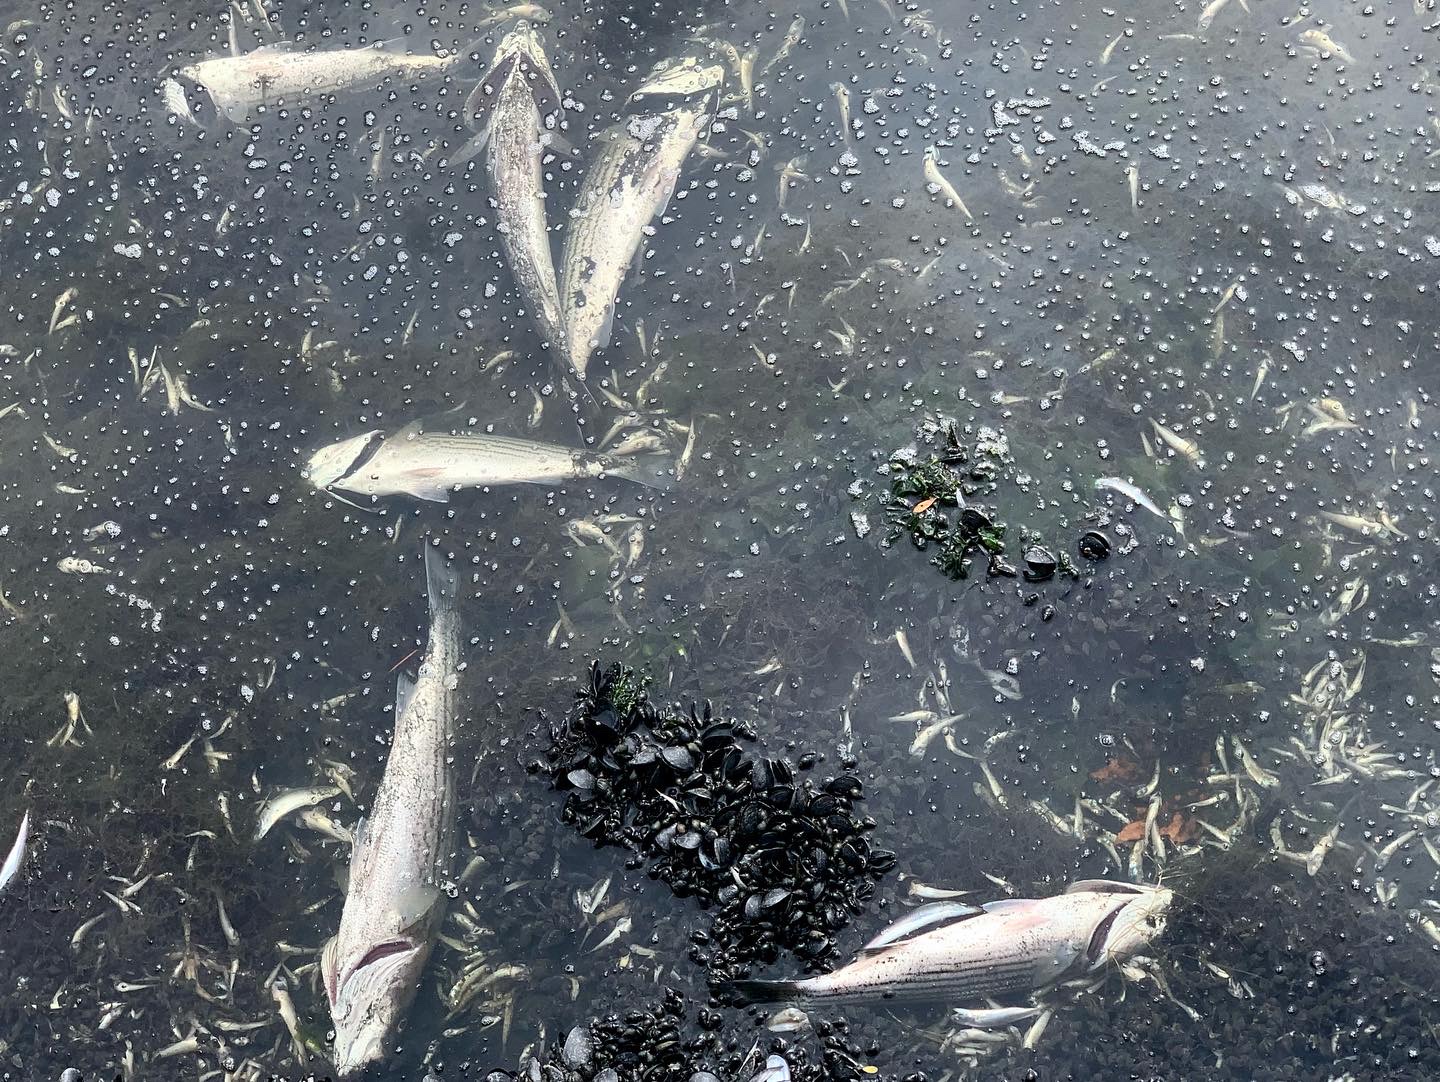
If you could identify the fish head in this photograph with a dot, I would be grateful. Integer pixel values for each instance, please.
(682, 76)
(520, 54)
(527, 47)
(1129, 918)
(370, 990)
(329, 464)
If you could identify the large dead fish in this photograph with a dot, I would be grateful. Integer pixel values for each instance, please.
(282, 73)
(514, 110)
(431, 465)
(394, 904)
(628, 187)
(1011, 948)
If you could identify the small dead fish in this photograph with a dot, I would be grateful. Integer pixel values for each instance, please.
(842, 98)
(1207, 16)
(935, 182)
(1186, 449)
(76, 565)
(792, 38)
(287, 803)
(1319, 38)
(1131, 493)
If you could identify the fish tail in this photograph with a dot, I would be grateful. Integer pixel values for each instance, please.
(443, 587)
(747, 991)
(652, 470)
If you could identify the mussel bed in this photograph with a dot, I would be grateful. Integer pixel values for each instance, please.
(780, 861)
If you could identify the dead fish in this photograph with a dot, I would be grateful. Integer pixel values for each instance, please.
(628, 186)
(240, 86)
(936, 183)
(432, 465)
(514, 109)
(77, 565)
(286, 803)
(394, 903)
(1319, 38)
(1132, 493)
(1185, 448)
(954, 952)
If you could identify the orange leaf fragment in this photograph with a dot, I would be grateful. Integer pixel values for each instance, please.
(1132, 831)
(924, 505)
(1117, 770)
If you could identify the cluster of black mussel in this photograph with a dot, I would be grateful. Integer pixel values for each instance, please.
(704, 813)
(650, 1046)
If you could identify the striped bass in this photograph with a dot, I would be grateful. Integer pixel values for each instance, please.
(281, 73)
(1009, 948)
(431, 465)
(394, 904)
(627, 187)
(514, 110)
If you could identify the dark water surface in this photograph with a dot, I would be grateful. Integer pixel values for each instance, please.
(1231, 235)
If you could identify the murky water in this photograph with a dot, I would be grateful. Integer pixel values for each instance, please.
(1192, 247)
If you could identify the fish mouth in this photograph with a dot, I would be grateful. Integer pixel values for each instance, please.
(367, 1003)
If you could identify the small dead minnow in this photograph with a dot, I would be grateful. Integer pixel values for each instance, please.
(1131, 493)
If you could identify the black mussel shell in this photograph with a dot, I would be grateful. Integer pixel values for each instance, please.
(999, 566)
(1040, 563)
(1094, 545)
(846, 785)
(678, 759)
(973, 521)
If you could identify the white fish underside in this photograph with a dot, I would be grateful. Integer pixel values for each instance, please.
(628, 186)
(513, 160)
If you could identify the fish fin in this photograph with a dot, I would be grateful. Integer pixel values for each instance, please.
(414, 902)
(746, 991)
(652, 471)
(442, 585)
(425, 484)
(1105, 886)
(357, 839)
(995, 1017)
(404, 690)
(553, 140)
(481, 101)
(921, 919)
(329, 968)
(232, 106)
(473, 146)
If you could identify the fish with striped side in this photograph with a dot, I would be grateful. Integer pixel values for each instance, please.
(958, 953)
(432, 465)
(628, 186)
